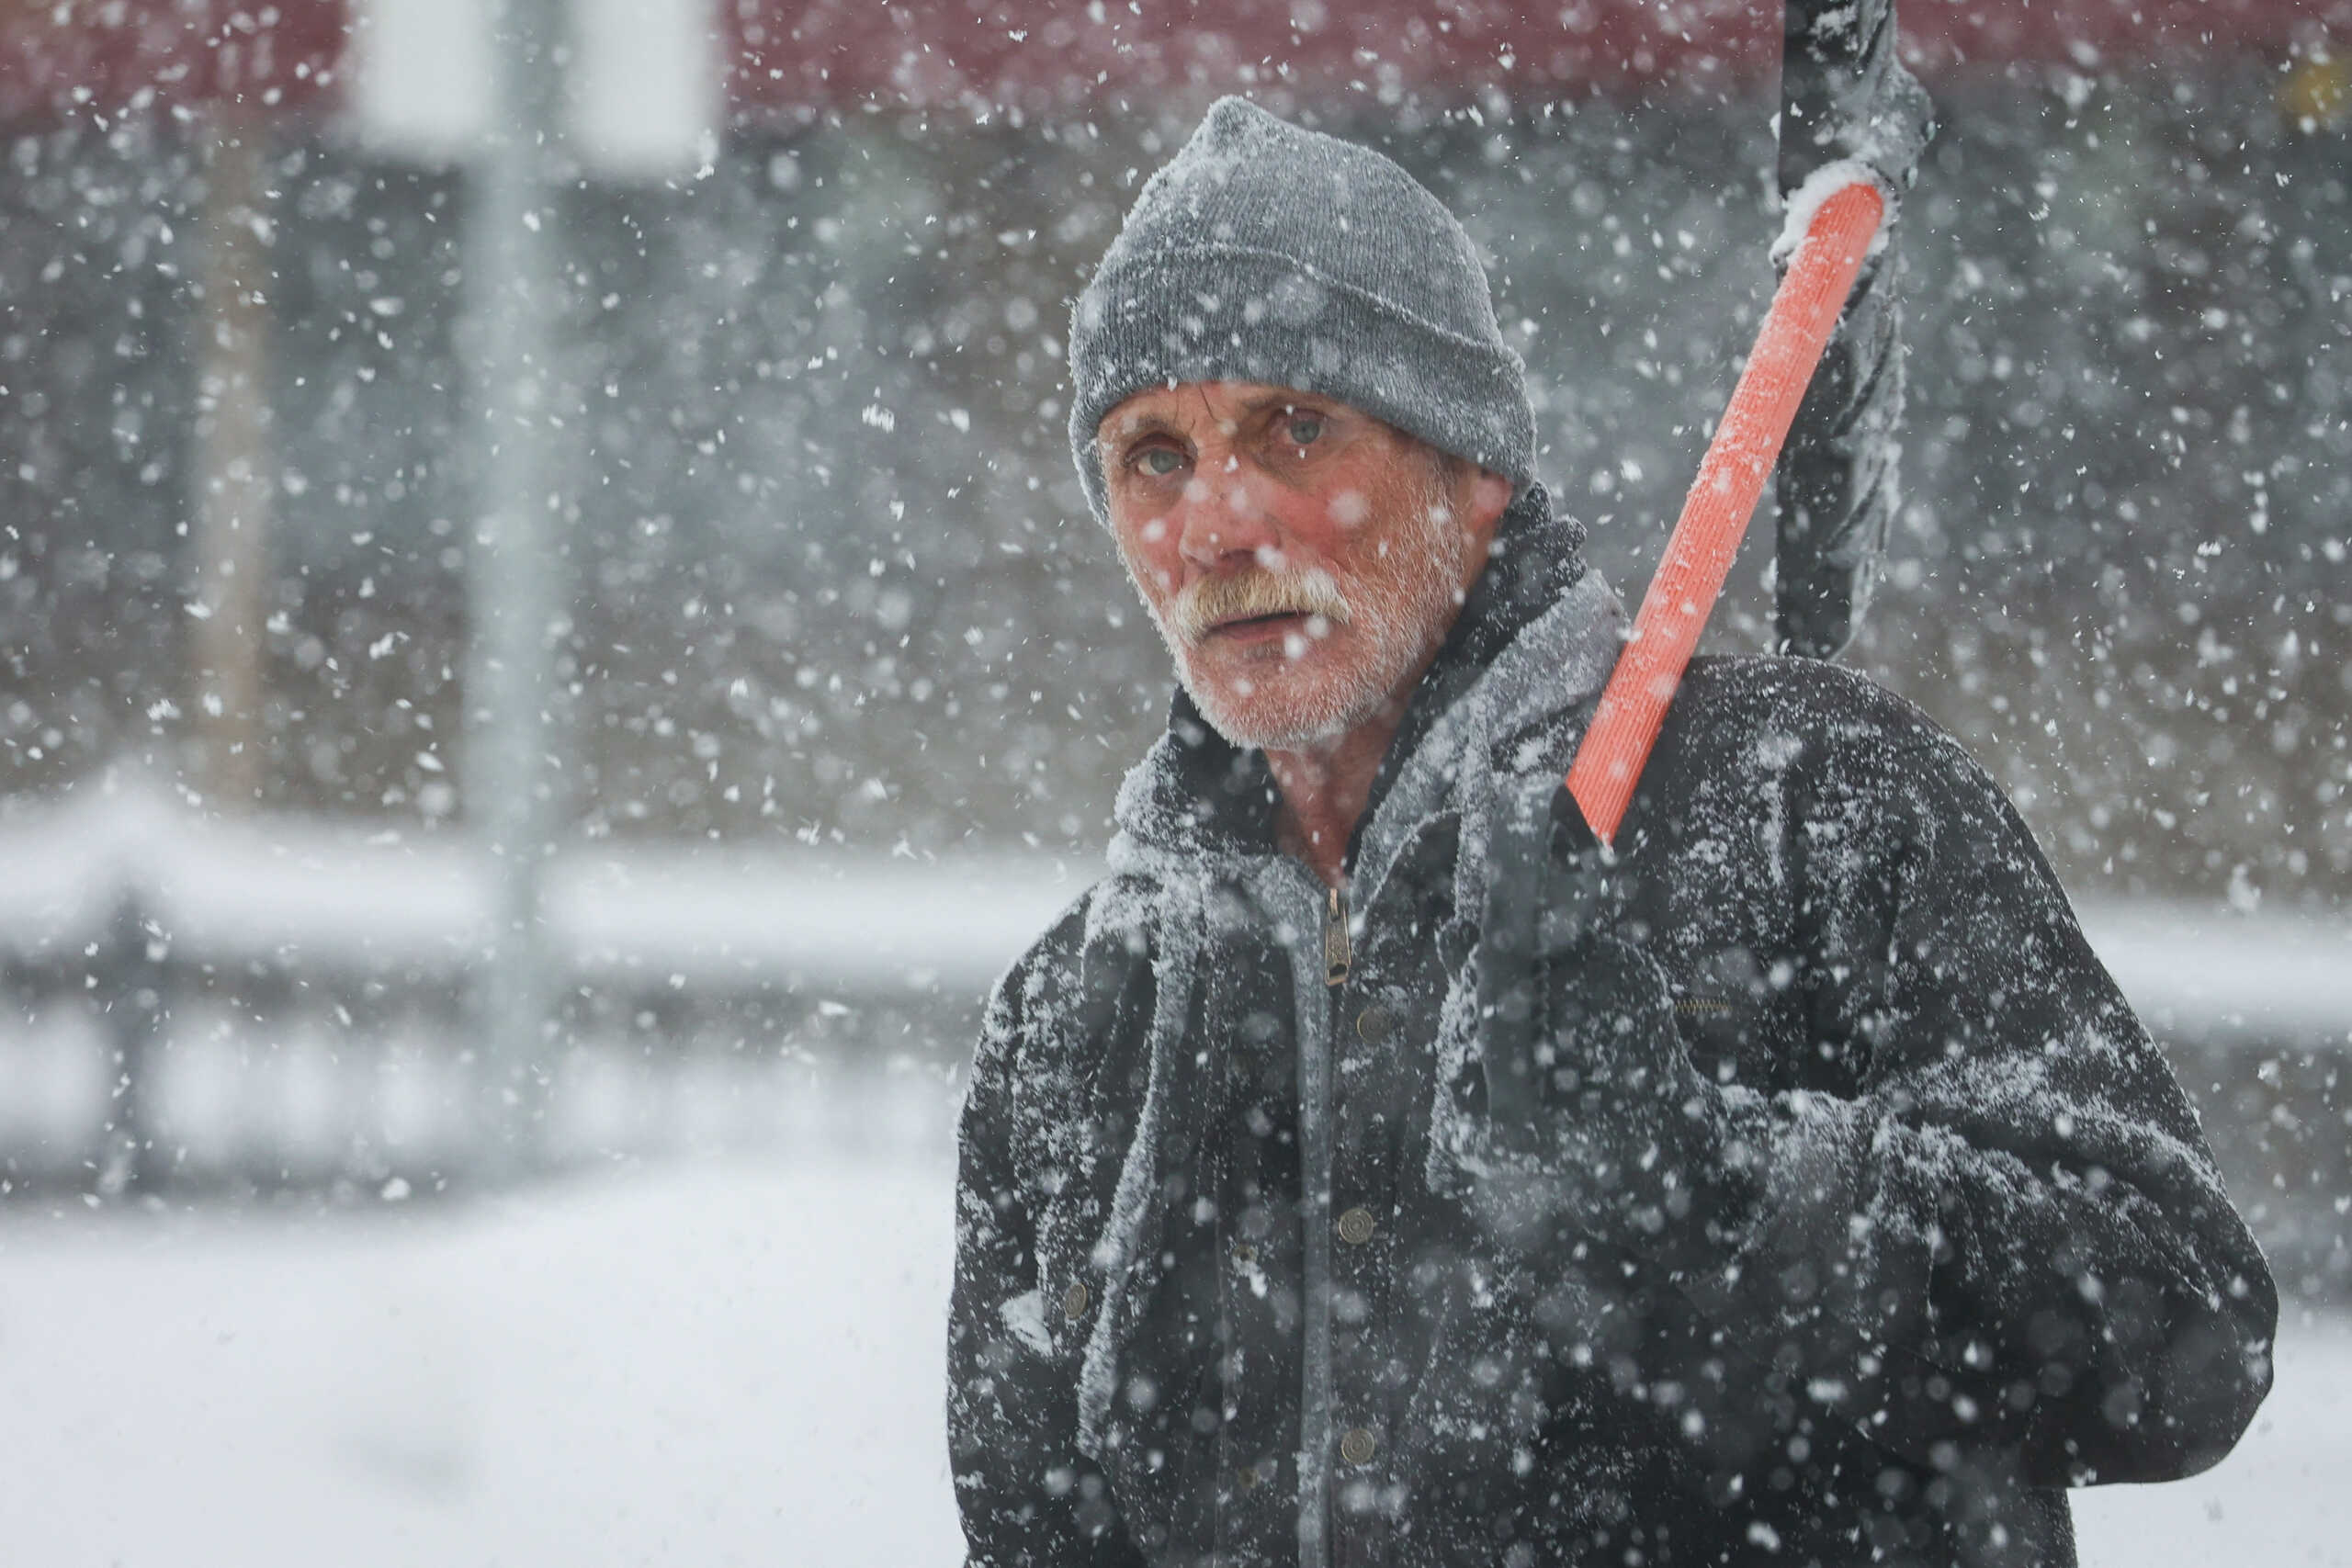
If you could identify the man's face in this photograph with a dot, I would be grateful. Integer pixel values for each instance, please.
(1302, 560)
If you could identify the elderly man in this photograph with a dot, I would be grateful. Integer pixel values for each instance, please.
(1849, 1215)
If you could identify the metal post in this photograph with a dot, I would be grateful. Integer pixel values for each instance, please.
(515, 599)
(133, 994)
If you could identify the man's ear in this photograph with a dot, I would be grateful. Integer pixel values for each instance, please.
(1489, 499)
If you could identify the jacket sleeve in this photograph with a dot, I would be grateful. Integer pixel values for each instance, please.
(1996, 1224)
(1029, 1499)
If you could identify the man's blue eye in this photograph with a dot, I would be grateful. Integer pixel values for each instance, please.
(1160, 461)
(1304, 428)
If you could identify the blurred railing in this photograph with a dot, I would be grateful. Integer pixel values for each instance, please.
(285, 1002)
(193, 1003)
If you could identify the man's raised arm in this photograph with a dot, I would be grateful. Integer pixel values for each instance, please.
(1989, 1226)
(2011, 1231)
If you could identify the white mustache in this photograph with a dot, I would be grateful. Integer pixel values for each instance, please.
(1205, 605)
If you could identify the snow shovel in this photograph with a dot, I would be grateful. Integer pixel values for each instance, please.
(1853, 126)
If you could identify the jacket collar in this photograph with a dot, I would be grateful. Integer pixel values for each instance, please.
(1536, 638)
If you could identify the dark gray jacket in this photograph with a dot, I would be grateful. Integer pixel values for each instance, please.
(1222, 1294)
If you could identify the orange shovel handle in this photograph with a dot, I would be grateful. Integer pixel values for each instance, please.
(1739, 460)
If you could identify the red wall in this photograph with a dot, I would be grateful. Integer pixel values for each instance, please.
(788, 55)
(101, 57)
(943, 52)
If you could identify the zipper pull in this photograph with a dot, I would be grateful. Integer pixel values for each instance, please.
(1338, 954)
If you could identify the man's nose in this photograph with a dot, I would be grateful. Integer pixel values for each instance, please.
(1223, 517)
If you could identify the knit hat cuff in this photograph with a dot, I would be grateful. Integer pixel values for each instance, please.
(1148, 321)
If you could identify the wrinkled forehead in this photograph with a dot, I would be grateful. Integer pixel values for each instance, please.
(1200, 406)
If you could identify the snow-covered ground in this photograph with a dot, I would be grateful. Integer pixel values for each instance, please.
(699, 1364)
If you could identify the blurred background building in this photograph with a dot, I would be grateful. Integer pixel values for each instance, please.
(817, 680)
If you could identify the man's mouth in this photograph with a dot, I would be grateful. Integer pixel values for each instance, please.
(1258, 606)
(1271, 624)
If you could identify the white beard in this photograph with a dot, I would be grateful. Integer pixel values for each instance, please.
(1402, 612)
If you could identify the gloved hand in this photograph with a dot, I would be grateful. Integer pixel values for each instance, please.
(1595, 1117)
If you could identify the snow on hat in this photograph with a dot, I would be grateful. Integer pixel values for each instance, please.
(1265, 253)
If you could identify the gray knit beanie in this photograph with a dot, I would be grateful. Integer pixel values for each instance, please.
(1264, 252)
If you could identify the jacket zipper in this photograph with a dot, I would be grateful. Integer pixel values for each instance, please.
(1315, 1156)
(1339, 955)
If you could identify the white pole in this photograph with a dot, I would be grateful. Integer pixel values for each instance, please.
(514, 593)
(232, 492)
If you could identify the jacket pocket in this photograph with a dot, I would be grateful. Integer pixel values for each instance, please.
(1725, 1035)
